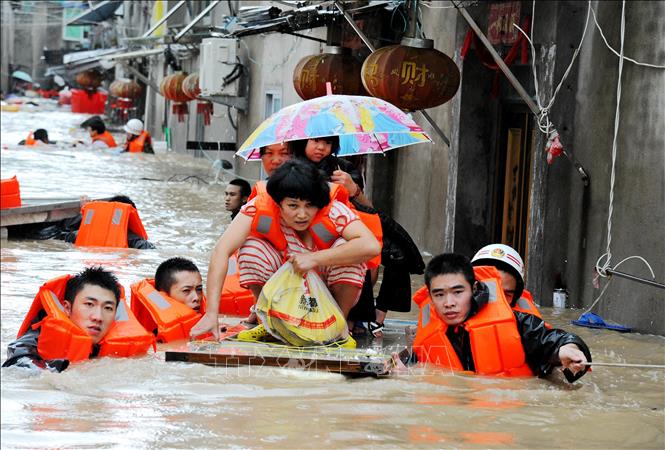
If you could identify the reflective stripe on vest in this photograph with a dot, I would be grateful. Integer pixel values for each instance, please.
(321, 233)
(523, 304)
(264, 223)
(426, 315)
(526, 305)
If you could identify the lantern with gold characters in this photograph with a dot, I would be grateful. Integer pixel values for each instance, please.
(125, 91)
(412, 75)
(171, 88)
(90, 80)
(335, 65)
(190, 86)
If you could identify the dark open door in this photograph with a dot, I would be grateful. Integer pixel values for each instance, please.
(513, 178)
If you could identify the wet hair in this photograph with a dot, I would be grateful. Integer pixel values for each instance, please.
(95, 123)
(86, 123)
(245, 188)
(447, 263)
(298, 147)
(165, 273)
(41, 135)
(299, 179)
(122, 199)
(262, 150)
(95, 276)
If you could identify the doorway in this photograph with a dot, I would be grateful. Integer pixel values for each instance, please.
(512, 196)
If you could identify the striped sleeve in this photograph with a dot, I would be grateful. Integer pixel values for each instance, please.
(341, 215)
(249, 208)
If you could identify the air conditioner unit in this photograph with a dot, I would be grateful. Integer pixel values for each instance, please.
(219, 72)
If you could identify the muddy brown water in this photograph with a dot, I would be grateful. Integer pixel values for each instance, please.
(148, 403)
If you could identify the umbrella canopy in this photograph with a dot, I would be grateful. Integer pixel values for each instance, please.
(364, 125)
(22, 76)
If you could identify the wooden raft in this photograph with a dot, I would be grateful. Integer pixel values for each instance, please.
(366, 360)
(258, 354)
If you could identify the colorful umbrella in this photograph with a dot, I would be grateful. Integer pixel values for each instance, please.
(363, 124)
(19, 74)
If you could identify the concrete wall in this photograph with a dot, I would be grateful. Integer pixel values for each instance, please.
(270, 60)
(639, 192)
(421, 171)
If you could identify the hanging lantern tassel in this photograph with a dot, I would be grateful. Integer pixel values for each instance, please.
(180, 108)
(206, 109)
(125, 103)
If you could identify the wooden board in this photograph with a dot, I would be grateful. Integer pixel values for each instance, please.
(35, 210)
(231, 353)
(371, 358)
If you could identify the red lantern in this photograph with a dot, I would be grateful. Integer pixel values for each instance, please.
(125, 88)
(413, 75)
(190, 86)
(171, 88)
(90, 79)
(335, 65)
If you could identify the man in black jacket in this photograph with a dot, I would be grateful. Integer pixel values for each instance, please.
(457, 298)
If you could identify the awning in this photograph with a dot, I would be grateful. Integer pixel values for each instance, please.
(79, 61)
(135, 54)
(99, 13)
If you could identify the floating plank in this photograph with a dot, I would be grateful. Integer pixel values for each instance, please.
(232, 353)
(40, 211)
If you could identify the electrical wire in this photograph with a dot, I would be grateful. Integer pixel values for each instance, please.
(656, 66)
(544, 123)
(604, 261)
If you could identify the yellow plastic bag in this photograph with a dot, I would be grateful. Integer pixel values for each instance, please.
(299, 310)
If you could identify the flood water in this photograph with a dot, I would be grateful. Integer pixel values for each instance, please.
(148, 403)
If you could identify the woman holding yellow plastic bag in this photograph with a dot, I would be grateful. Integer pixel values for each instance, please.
(295, 221)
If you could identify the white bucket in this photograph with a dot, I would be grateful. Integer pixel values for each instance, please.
(559, 298)
(159, 146)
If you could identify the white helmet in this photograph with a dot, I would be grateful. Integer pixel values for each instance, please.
(508, 259)
(134, 126)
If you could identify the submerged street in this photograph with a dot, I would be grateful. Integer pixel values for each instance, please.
(148, 403)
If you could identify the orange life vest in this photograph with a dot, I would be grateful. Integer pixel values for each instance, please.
(265, 223)
(526, 304)
(105, 224)
(105, 137)
(496, 345)
(60, 338)
(339, 193)
(137, 144)
(235, 300)
(10, 194)
(30, 140)
(156, 310)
